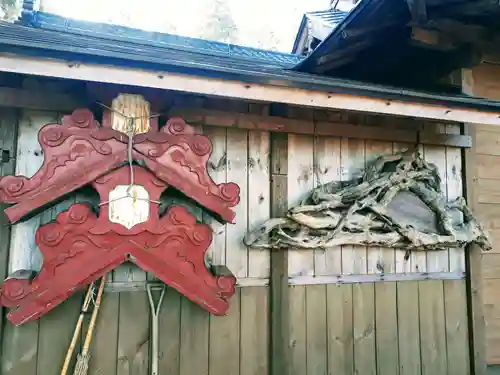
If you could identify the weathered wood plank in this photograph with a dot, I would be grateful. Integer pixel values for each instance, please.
(327, 168)
(454, 189)
(386, 328)
(300, 183)
(402, 261)
(457, 339)
(9, 122)
(408, 328)
(194, 339)
(20, 349)
(379, 259)
(133, 334)
(298, 330)
(170, 333)
(24, 254)
(354, 258)
(104, 346)
(237, 172)
(37, 99)
(217, 169)
(20, 344)
(254, 339)
(418, 259)
(224, 344)
(340, 329)
(432, 327)
(316, 330)
(258, 198)
(55, 332)
(492, 320)
(279, 289)
(331, 128)
(437, 261)
(473, 170)
(365, 360)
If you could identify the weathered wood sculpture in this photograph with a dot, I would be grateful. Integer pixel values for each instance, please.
(80, 246)
(396, 203)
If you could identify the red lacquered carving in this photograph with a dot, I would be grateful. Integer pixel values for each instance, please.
(80, 247)
(80, 151)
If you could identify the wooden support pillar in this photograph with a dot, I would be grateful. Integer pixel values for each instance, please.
(477, 336)
(8, 142)
(279, 290)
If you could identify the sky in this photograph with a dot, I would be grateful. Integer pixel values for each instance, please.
(268, 24)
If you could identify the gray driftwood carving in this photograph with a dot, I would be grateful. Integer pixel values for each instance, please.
(397, 203)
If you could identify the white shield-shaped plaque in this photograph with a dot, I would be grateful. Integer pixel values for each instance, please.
(128, 205)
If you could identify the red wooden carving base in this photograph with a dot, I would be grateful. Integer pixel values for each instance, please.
(80, 151)
(80, 247)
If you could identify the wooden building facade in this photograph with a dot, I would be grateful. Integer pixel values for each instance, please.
(350, 310)
(278, 135)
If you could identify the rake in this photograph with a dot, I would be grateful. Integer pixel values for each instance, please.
(82, 363)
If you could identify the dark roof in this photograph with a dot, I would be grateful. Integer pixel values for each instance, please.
(51, 36)
(326, 19)
(156, 41)
(373, 42)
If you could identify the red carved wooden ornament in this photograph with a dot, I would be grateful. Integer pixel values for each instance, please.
(80, 246)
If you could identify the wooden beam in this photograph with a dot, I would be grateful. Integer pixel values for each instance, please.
(241, 90)
(279, 289)
(474, 267)
(277, 124)
(38, 100)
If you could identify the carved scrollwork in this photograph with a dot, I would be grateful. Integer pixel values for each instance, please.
(74, 257)
(80, 151)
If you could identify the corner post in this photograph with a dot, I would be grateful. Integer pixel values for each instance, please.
(473, 259)
(279, 290)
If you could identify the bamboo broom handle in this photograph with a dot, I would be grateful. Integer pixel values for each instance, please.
(88, 337)
(76, 333)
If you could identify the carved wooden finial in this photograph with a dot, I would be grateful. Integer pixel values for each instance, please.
(127, 107)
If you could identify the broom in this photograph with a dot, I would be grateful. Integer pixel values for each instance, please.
(82, 363)
(85, 307)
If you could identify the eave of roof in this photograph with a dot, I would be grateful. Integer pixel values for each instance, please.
(331, 18)
(87, 46)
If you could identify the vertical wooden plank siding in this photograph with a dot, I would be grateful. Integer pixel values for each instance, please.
(224, 349)
(300, 177)
(258, 198)
(432, 327)
(474, 265)
(237, 162)
(402, 261)
(327, 168)
(386, 328)
(279, 290)
(316, 328)
(340, 336)
(298, 329)
(20, 344)
(365, 361)
(254, 336)
(217, 168)
(9, 122)
(437, 261)
(457, 343)
(408, 328)
(354, 258)
(379, 259)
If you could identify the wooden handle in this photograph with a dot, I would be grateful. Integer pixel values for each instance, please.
(88, 337)
(76, 333)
